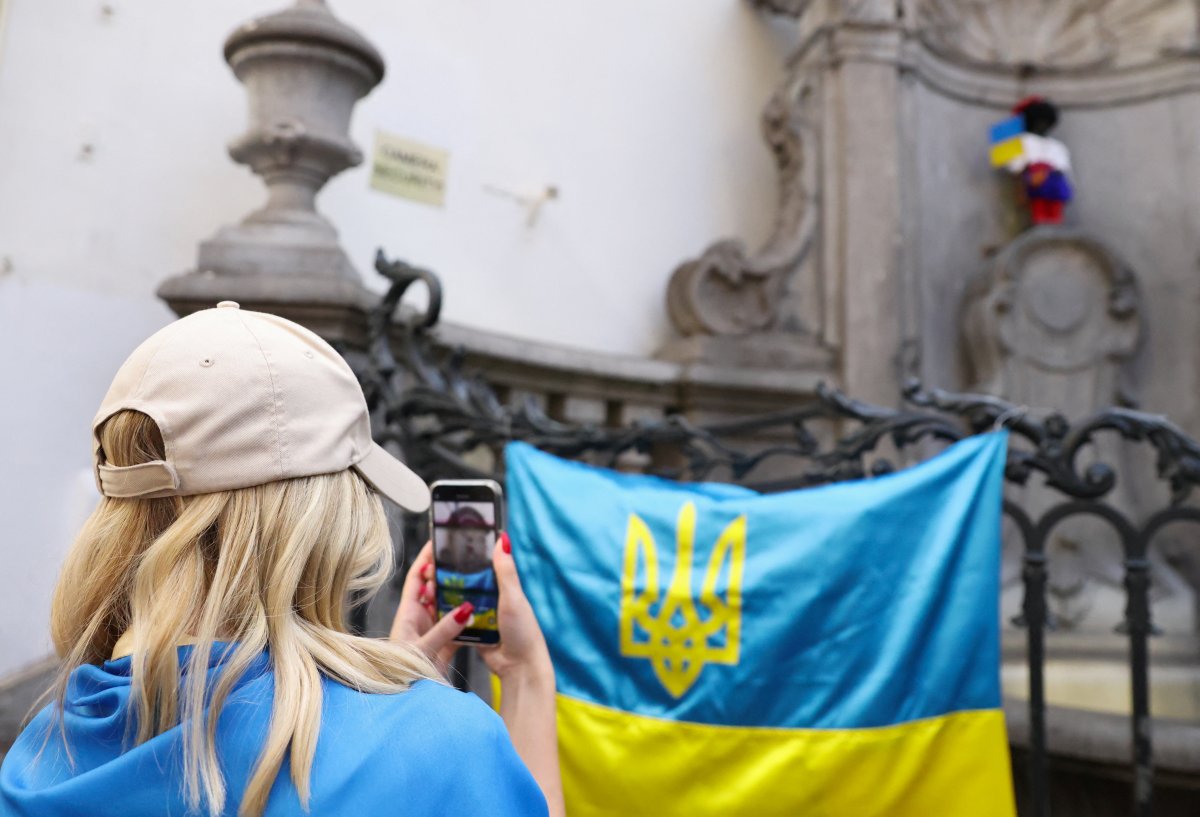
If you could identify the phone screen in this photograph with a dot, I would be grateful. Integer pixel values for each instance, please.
(466, 517)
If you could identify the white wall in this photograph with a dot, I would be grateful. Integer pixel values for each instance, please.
(644, 113)
(60, 346)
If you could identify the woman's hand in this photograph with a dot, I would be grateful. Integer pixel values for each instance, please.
(521, 659)
(522, 663)
(522, 649)
(416, 618)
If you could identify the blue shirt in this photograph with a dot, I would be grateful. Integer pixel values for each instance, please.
(430, 750)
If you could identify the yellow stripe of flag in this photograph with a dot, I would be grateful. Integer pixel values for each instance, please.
(954, 764)
(1004, 152)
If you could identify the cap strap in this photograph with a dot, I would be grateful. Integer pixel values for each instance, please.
(147, 479)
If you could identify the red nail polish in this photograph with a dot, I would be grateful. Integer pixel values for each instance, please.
(464, 612)
(505, 542)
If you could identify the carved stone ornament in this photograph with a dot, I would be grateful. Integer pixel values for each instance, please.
(784, 8)
(303, 70)
(731, 292)
(842, 10)
(1065, 34)
(1054, 320)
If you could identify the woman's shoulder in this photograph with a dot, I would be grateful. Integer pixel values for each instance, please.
(428, 700)
(421, 696)
(448, 745)
(428, 716)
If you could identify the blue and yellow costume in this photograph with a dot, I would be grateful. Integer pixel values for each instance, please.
(478, 588)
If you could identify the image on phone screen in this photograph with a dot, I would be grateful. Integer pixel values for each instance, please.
(464, 533)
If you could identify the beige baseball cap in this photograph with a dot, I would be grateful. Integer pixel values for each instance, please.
(245, 398)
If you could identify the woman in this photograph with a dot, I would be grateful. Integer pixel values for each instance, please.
(201, 611)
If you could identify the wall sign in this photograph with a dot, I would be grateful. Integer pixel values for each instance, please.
(409, 170)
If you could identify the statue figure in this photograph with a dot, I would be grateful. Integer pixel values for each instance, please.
(1022, 145)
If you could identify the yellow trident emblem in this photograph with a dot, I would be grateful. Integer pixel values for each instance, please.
(677, 638)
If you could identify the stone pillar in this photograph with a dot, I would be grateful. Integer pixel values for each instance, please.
(862, 172)
(303, 70)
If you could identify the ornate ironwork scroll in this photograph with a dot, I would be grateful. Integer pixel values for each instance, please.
(443, 416)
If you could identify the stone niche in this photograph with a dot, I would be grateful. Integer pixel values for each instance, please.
(887, 205)
(898, 250)
(1126, 75)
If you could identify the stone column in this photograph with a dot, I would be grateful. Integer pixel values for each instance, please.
(303, 70)
(862, 210)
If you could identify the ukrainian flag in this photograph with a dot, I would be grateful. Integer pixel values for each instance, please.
(829, 652)
(1006, 140)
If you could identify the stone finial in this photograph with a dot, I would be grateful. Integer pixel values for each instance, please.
(303, 70)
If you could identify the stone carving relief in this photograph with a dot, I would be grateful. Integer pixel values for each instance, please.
(731, 292)
(1056, 321)
(841, 11)
(1062, 35)
(784, 8)
(728, 290)
(1055, 318)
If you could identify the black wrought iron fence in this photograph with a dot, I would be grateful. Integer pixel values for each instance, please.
(443, 417)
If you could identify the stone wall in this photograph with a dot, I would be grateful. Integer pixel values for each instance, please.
(1137, 178)
(888, 207)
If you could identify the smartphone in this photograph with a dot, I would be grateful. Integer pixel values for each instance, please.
(465, 517)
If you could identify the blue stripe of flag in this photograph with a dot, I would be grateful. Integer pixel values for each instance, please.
(864, 603)
(1007, 129)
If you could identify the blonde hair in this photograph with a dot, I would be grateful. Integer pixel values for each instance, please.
(270, 566)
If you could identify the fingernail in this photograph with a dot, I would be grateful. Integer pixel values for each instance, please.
(464, 612)
(505, 542)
